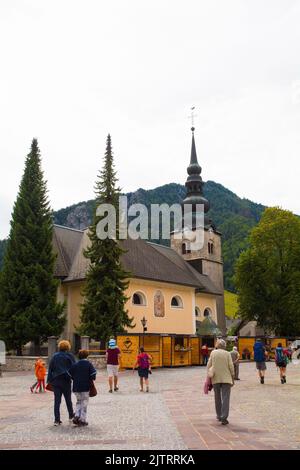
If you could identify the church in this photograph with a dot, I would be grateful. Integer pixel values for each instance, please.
(175, 289)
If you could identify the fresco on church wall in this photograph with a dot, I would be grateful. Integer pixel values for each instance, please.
(159, 304)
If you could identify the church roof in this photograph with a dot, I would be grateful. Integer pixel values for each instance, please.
(66, 242)
(145, 260)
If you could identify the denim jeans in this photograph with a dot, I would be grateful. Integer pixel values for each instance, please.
(81, 405)
(62, 386)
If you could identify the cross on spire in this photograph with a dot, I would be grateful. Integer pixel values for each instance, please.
(192, 116)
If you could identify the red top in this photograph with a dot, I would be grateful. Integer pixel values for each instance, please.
(112, 356)
(204, 350)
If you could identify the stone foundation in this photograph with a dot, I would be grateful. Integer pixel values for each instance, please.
(26, 363)
(20, 363)
(99, 362)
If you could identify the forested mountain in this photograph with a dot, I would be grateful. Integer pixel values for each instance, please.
(233, 216)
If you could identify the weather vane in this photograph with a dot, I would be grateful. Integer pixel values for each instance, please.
(192, 116)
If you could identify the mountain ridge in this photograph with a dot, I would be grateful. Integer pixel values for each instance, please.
(233, 216)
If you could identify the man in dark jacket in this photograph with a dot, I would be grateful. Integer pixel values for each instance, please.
(260, 358)
(58, 377)
(82, 373)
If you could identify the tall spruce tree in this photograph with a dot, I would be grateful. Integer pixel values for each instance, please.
(28, 307)
(103, 309)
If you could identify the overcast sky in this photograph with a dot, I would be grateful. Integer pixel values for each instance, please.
(72, 71)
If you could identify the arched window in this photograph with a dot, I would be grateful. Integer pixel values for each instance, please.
(197, 312)
(138, 298)
(210, 248)
(176, 302)
(183, 248)
(207, 312)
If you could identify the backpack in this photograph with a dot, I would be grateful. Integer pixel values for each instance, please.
(144, 361)
(280, 356)
(259, 352)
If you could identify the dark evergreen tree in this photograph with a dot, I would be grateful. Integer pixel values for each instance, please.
(28, 307)
(103, 309)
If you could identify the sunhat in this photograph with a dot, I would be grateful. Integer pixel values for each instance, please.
(112, 343)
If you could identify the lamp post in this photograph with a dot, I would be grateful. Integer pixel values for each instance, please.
(144, 323)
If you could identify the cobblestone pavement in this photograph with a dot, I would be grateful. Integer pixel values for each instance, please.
(174, 415)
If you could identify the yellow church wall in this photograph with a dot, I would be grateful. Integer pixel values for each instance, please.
(175, 320)
(74, 299)
(62, 294)
(204, 301)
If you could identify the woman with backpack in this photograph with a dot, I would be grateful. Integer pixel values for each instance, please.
(143, 363)
(281, 362)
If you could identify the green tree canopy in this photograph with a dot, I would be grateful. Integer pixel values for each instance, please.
(103, 309)
(268, 273)
(28, 307)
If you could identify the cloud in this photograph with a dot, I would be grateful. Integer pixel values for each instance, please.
(74, 71)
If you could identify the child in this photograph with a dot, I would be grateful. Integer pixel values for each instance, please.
(143, 361)
(40, 373)
(82, 373)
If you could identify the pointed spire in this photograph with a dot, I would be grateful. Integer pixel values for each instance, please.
(193, 150)
(194, 168)
(194, 183)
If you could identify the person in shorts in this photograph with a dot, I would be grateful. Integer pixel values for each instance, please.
(113, 354)
(260, 359)
(281, 361)
(143, 363)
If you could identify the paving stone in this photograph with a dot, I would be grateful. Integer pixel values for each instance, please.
(174, 415)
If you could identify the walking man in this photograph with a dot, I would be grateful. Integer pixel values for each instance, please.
(113, 354)
(260, 359)
(235, 356)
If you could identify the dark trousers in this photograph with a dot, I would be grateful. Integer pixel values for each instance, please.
(62, 386)
(222, 397)
(205, 360)
(236, 370)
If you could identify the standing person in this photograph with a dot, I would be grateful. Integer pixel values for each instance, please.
(220, 369)
(59, 378)
(82, 373)
(204, 353)
(235, 356)
(260, 359)
(143, 363)
(113, 354)
(281, 361)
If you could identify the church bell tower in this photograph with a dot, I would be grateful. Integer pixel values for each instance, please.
(208, 258)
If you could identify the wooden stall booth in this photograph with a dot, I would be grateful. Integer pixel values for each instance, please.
(129, 345)
(196, 344)
(272, 343)
(176, 350)
(246, 343)
(166, 350)
(245, 347)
